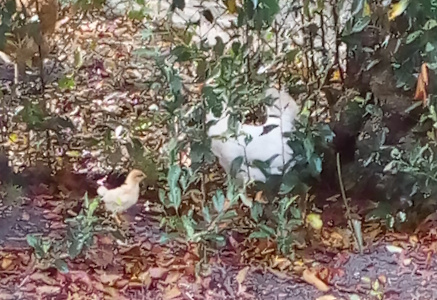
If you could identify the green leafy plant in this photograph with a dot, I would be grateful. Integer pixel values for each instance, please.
(213, 215)
(48, 253)
(79, 237)
(309, 142)
(289, 219)
(82, 227)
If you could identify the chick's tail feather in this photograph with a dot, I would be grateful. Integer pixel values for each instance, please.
(102, 190)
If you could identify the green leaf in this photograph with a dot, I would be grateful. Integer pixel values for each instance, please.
(246, 201)
(66, 83)
(267, 229)
(75, 248)
(188, 225)
(413, 36)
(256, 211)
(86, 200)
(136, 15)
(175, 195)
(45, 246)
(295, 213)
(357, 7)
(62, 266)
(230, 214)
(182, 53)
(259, 235)
(360, 24)
(430, 24)
(164, 238)
(218, 200)
(33, 241)
(93, 206)
(218, 239)
(236, 166)
(206, 214)
(429, 47)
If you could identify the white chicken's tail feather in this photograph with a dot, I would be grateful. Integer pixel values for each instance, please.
(102, 190)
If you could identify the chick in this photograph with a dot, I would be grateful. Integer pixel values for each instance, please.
(122, 198)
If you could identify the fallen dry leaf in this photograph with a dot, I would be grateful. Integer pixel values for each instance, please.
(171, 293)
(5, 296)
(109, 279)
(6, 263)
(48, 289)
(327, 297)
(311, 278)
(172, 277)
(281, 263)
(157, 272)
(241, 276)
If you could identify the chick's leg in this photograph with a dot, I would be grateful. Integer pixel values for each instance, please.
(117, 219)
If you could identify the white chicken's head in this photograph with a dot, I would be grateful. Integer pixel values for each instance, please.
(135, 177)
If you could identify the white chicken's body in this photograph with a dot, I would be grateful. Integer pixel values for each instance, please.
(122, 198)
(119, 199)
(265, 144)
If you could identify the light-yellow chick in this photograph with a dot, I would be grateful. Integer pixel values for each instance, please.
(122, 198)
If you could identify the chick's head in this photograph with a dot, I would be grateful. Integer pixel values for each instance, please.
(135, 177)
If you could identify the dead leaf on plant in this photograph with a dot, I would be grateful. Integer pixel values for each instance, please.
(259, 197)
(422, 85)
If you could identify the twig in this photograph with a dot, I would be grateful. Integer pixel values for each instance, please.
(337, 41)
(348, 212)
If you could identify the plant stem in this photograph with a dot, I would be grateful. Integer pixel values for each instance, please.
(348, 212)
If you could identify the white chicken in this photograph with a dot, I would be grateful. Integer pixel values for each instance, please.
(267, 141)
(122, 198)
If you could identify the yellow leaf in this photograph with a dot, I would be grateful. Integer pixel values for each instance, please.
(422, 85)
(366, 11)
(397, 9)
(241, 276)
(6, 262)
(13, 137)
(231, 5)
(336, 76)
(73, 153)
(314, 221)
(281, 263)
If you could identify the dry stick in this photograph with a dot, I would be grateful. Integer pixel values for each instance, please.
(41, 76)
(348, 212)
(337, 42)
